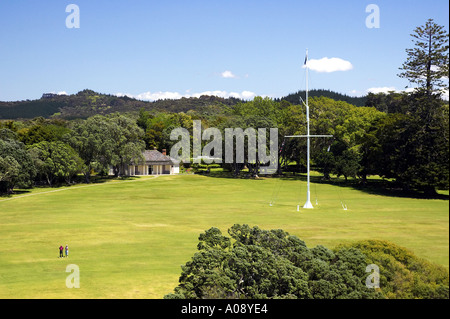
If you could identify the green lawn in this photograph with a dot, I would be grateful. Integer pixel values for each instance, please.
(129, 238)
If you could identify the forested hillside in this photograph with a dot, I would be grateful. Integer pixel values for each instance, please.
(294, 98)
(87, 103)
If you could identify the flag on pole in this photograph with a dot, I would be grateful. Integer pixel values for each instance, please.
(306, 58)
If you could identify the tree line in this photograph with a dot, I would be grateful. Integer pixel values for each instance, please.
(53, 151)
(410, 147)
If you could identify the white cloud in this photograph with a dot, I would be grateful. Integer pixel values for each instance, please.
(356, 93)
(159, 96)
(149, 96)
(59, 93)
(214, 93)
(387, 89)
(228, 75)
(328, 65)
(246, 95)
(384, 89)
(435, 68)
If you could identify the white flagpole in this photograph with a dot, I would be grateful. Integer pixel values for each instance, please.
(308, 137)
(308, 194)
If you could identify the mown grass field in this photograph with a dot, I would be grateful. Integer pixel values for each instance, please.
(129, 238)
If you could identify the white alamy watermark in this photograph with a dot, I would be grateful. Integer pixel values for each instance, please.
(373, 280)
(259, 148)
(373, 19)
(73, 280)
(73, 19)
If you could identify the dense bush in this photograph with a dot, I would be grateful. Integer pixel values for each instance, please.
(16, 164)
(258, 264)
(270, 264)
(402, 274)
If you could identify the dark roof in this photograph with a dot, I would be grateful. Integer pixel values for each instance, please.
(158, 158)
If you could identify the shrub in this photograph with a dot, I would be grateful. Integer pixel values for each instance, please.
(402, 274)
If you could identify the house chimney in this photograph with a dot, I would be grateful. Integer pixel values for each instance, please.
(164, 151)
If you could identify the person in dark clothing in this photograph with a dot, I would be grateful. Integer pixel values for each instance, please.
(61, 249)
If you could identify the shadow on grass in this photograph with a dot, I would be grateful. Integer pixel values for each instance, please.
(76, 182)
(15, 192)
(387, 188)
(371, 186)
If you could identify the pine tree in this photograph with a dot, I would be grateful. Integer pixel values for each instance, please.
(427, 63)
(421, 159)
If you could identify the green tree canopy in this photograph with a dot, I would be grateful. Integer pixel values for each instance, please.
(104, 141)
(256, 263)
(55, 160)
(88, 138)
(16, 165)
(123, 141)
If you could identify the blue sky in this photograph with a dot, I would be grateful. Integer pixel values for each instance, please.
(158, 49)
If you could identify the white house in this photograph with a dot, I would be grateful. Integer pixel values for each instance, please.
(156, 163)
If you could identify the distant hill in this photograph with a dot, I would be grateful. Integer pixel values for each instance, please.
(81, 105)
(87, 103)
(294, 98)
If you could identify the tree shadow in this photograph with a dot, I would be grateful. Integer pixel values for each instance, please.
(387, 188)
(76, 182)
(371, 186)
(230, 175)
(380, 187)
(14, 193)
